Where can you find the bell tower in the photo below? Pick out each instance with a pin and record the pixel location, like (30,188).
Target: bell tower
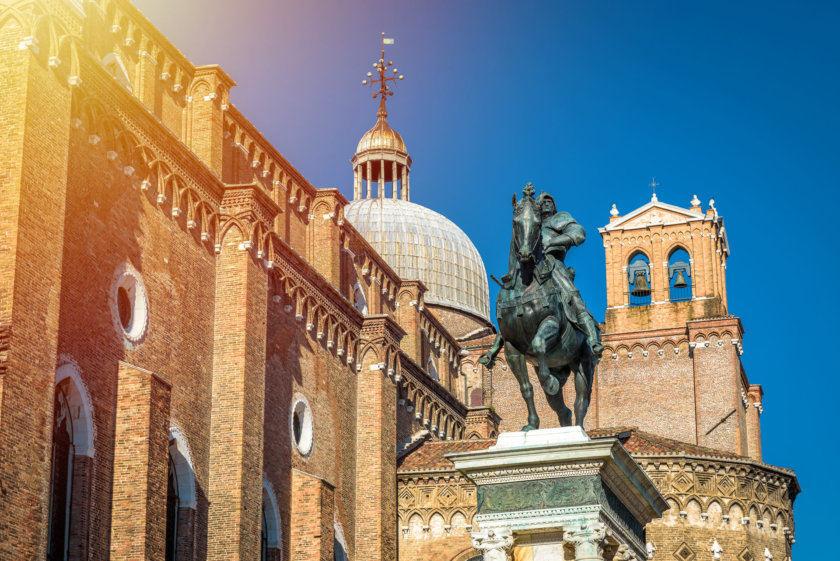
(666,265)
(669,339)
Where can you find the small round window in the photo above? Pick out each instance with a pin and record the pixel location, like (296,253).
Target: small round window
(301,425)
(129,304)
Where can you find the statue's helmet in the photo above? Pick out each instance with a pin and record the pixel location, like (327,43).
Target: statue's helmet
(546,204)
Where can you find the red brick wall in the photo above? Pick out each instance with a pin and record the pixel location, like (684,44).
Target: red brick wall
(141,453)
(376,440)
(297,363)
(312,531)
(109,224)
(34,122)
(236,432)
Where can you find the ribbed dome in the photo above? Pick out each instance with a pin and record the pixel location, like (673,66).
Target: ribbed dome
(419,243)
(381,136)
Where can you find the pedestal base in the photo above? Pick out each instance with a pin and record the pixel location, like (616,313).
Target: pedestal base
(556,490)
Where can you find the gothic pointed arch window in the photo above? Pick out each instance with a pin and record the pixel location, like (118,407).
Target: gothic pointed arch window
(173,504)
(180,499)
(71,466)
(679,276)
(359,299)
(433,371)
(272,545)
(115,67)
(264,537)
(638,276)
(61,478)
(339,544)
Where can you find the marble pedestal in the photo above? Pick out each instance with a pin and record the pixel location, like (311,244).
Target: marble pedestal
(557,494)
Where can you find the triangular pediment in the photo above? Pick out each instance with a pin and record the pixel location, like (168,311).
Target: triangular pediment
(652,214)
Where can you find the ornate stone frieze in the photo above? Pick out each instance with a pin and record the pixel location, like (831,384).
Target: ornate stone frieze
(740,489)
(533,473)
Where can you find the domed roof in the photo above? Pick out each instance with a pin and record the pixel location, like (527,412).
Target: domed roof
(419,243)
(381,136)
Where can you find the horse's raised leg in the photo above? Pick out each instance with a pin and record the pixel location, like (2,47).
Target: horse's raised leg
(583,388)
(520,369)
(556,401)
(547,335)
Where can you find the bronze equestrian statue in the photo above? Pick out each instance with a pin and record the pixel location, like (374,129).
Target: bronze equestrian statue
(542,318)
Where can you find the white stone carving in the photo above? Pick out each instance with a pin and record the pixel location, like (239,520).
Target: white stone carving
(588,539)
(495,545)
(716,550)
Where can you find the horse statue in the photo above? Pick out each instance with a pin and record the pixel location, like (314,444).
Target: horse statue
(535,324)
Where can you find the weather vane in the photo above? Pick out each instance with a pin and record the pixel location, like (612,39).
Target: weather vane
(382,67)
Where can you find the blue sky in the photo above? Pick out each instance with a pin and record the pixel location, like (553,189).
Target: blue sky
(735,101)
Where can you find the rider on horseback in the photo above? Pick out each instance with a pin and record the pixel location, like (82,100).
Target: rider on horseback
(542,320)
(559,233)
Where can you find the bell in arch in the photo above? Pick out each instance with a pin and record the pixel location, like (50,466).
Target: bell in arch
(640,285)
(680,280)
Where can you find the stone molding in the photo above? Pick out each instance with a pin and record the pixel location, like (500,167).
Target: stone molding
(535,473)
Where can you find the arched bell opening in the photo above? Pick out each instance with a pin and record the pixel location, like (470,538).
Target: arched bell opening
(680,283)
(638,273)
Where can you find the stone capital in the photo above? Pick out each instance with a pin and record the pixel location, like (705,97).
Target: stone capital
(588,540)
(624,553)
(495,545)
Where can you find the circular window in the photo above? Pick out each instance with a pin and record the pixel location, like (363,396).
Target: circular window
(129,304)
(301,425)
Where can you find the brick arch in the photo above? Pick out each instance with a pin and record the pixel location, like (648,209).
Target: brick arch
(675,247)
(638,251)
(79,399)
(468,554)
(11,14)
(735,516)
(232,226)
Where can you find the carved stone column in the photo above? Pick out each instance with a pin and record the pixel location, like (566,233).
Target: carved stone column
(381,183)
(494,545)
(588,539)
(369,179)
(394,189)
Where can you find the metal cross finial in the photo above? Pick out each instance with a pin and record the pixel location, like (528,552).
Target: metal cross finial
(653,185)
(381,67)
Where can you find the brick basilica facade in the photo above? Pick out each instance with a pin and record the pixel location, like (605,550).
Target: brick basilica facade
(202,358)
